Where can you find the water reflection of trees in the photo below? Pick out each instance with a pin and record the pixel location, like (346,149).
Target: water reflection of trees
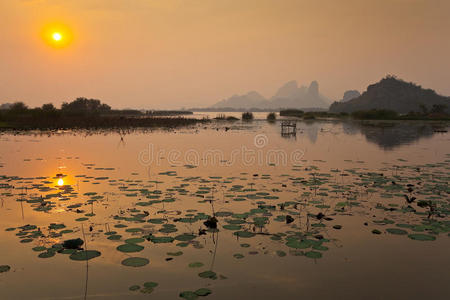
(389,136)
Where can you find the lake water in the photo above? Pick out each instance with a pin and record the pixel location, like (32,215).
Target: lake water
(320,214)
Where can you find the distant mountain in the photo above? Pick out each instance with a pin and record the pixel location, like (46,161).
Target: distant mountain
(290,95)
(393,94)
(349,95)
(249,100)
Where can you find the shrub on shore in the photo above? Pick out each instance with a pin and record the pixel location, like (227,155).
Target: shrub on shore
(271,117)
(247,116)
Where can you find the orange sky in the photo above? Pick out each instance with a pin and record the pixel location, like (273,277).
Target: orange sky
(173,53)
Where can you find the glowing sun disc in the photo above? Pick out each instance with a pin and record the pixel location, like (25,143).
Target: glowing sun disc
(60,182)
(57,36)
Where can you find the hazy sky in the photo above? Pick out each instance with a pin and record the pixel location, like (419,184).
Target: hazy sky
(173,53)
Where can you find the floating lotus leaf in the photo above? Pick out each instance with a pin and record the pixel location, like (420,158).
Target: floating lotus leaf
(232,227)
(135,262)
(396,231)
(313,254)
(188,295)
(150,284)
(168,230)
(67,251)
(133,230)
(320,247)
(185,237)
(39,249)
(110,233)
(130,248)
(244,234)
(147,290)
(81,219)
(299,244)
(156,221)
(196,265)
(208,274)
(161,239)
(4,268)
(421,237)
(84,255)
(46,254)
(203,292)
(134,240)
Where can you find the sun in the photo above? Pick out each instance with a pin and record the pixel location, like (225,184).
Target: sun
(57,35)
(60,182)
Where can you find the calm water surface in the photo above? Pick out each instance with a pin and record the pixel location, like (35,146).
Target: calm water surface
(321,214)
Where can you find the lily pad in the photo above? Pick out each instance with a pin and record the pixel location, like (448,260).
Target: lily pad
(421,237)
(84,255)
(188,295)
(4,268)
(396,231)
(299,244)
(114,237)
(39,249)
(232,227)
(150,284)
(185,237)
(196,264)
(161,239)
(135,262)
(46,254)
(134,240)
(208,274)
(203,292)
(244,234)
(313,254)
(130,248)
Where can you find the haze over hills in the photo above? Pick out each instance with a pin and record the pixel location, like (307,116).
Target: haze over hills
(393,94)
(290,95)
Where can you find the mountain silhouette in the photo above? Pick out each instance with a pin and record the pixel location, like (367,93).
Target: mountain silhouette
(393,94)
(290,95)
